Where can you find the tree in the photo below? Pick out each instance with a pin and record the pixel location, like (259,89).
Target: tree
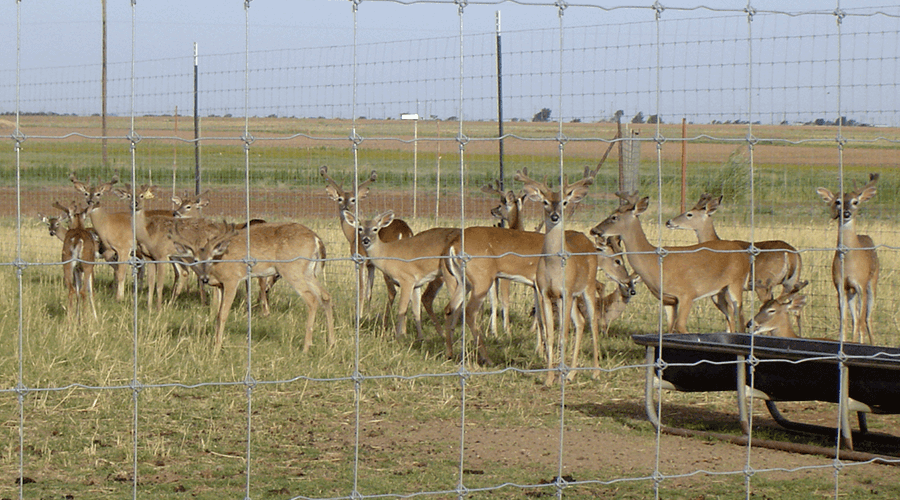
(638,118)
(654,119)
(542,116)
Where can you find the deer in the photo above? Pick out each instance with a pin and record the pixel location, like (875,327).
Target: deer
(151,233)
(289,249)
(564,271)
(778,263)
(687,273)
(54,225)
(191,206)
(187,206)
(114,228)
(494,253)
(855,267)
(398,229)
(508,211)
(774,315)
(412,262)
(78,255)
(611,306)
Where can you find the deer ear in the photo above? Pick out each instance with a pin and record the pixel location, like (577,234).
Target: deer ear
(713,204)
(385,219)
(796,305)
(350,218)
(333,193)
(867,193)
(642,205)
(221,247)
(182,250)
(533,193)
(577,194)
(827,196)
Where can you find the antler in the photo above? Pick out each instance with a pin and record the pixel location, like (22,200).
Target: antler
(490,189)
(628,198)
(372,177)
(522,176)
(62,207)
(323,171)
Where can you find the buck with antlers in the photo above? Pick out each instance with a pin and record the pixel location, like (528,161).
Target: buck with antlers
(290,250)
(564,271)
(397,230)
(855,267)
(688,273)
(78,254)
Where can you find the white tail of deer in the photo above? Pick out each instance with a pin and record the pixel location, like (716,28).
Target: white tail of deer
(289,249)
(855,267)
(688,273)
(558,279)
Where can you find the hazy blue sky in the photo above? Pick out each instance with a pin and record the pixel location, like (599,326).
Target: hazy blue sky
(408,56)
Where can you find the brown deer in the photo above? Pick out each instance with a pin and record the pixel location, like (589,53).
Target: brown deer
(687,273)
(398,229)
(291,250)
(778,263)
(565,272)
(78,255)
(855,267)
(509,213)
(113,227)
(412,262)
(774,315)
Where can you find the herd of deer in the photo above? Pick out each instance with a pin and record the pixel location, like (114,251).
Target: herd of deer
(560,265)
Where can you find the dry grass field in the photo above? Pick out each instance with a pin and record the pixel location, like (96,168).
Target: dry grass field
(140,391)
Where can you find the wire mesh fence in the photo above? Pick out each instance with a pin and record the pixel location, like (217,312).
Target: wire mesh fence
(755,104)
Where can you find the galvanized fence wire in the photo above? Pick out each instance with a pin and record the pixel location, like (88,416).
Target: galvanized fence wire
(463,373)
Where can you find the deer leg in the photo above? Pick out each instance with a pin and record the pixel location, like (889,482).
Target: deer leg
(568,315)
(406,292)
(549,331)
(869,307)
(370,283)
(89,286)
(681,315)
(228,293)
(391,295)
(120,279)
(472,309)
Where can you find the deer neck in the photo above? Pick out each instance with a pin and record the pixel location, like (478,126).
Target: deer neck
(514,220)
(847,234)
(641,254)
(706,232)
(554,237)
